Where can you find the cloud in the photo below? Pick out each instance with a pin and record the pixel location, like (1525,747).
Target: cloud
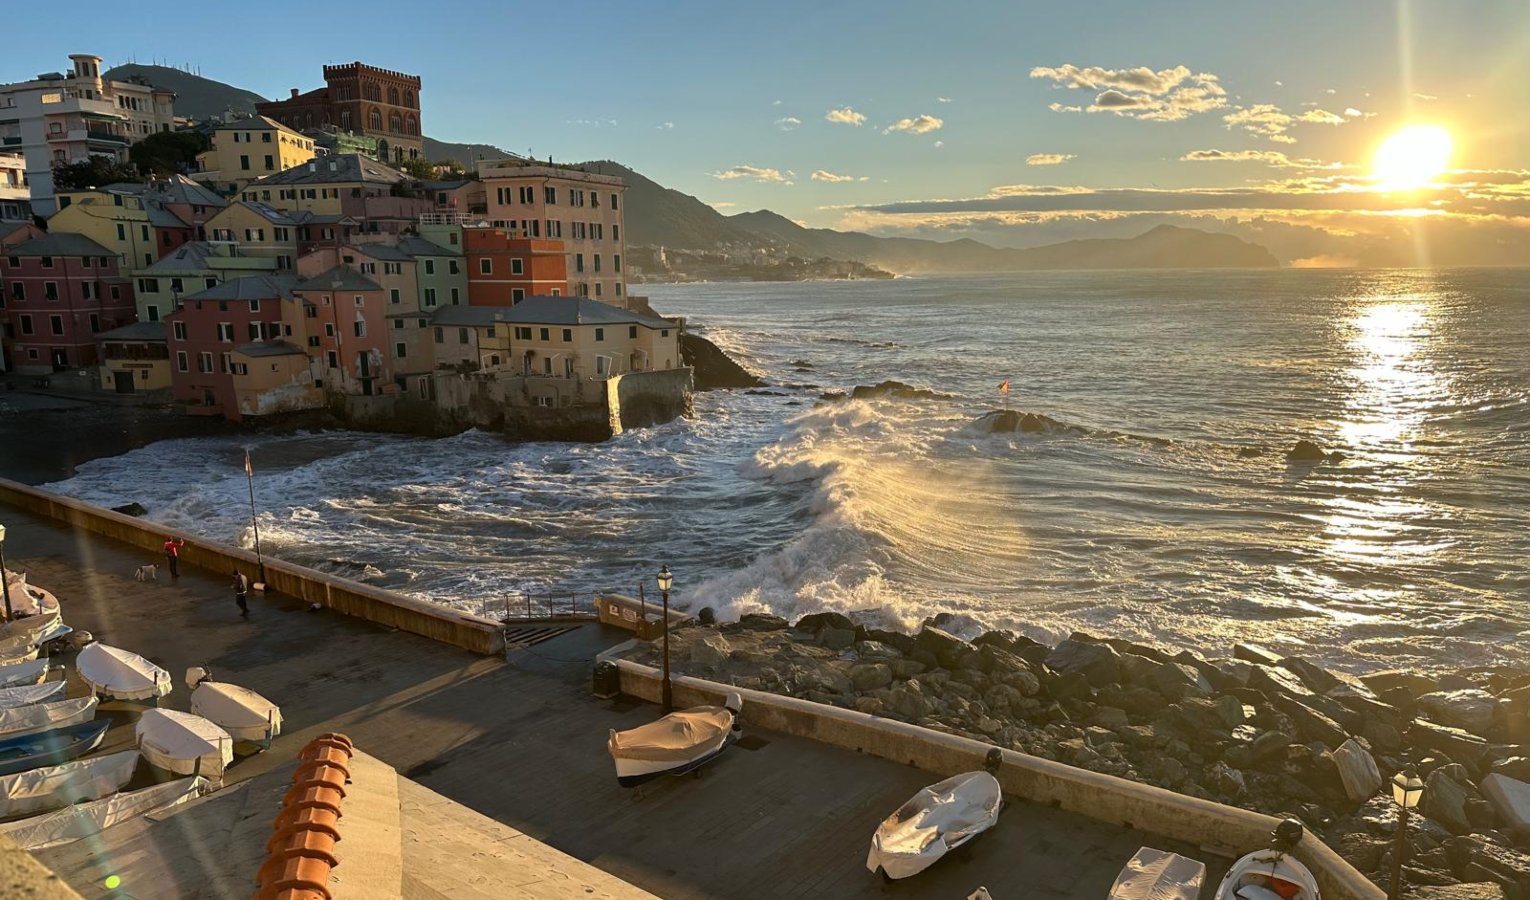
(1425,97)
(591,123)
(722,204)
(788,123)
(939,144)
(1049,159)
(775,103)
(665,126)
(916,125)
(1165,95)
(1268,157)
(1352,113)
(943,99)
(1321,117)
(831,178)
(1263,119)
(756,173)
(845,116)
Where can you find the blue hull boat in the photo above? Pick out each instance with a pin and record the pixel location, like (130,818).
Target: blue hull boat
(48,748)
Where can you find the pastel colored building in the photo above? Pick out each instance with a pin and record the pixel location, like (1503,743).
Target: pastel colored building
(380,104)
(15,194)
(244,150)
(457,195)
(375,195)
(441,269)
(349,337)
(190,268)
(135,226)
(263,230)
(62,292)
(504,268)
(135,358)
(581,209)
(211,324)
(67,117)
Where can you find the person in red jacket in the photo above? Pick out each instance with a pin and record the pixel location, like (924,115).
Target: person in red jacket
(173,555)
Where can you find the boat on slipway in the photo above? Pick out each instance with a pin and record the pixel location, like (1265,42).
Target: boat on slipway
(677,744)
(20,720)
(1272,873)
(41,748)
(122,674)
(935,821)
(86,819)
(54,787)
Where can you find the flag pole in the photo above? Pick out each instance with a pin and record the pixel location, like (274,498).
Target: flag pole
(249,475)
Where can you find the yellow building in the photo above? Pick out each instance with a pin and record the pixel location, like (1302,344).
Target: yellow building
(138,228)
(327,185)
(248,149)
(261,230)
(135,358)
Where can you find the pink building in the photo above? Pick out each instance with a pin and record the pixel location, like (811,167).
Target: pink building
(211,325)
(349,340)
(61,291)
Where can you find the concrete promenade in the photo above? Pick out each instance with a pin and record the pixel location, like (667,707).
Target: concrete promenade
(522,741)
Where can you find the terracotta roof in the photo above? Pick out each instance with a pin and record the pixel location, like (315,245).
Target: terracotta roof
(301,851)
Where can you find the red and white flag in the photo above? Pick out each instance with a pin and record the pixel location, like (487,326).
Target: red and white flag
(1004,387)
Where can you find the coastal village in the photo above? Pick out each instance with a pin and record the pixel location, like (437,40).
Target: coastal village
(297,265)
(360,743)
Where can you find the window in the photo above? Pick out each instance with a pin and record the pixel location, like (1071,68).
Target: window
(517,266)
(631,331)
(544,334)
(430,296)
(47,262)
(85,290)
(522,333)
(597,262)
(398,324)
(616,232)
(244,163)
(360,327)
(490,332)
(225,363)
(211,282)
(394,296)
(616,262)
(143,232)
(179,329)
(439,335)
(462,337)
(600,334)
(613,201)
(517,295)
(254,306)
(329,329)
(204,362)
(50,290)
(265,137)
(26,324)
(393,268)
(430,267)
(455,297)
(254,331)
(664,333)
(578,262)
(486,266)
(598,286)
(121,232)
(225,332)
(15,261)
(181,363)
(334,359)
(398,350)
(568,335)
(360,300)
(550,196)
(528,194)
(366,267)
(451,266)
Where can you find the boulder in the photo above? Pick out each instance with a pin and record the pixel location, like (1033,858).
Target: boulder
(904,643)
(1269,746)
(949,650)
(1311,723)
(711,652)
(1308,452)
(817,621)
(895,389)
(836,638)
(870,676)
(906,668)
(1510,798)
(1067,686)
(1314,676)
(1414,683)
(131,509)
(1357,770)
(1098,663)
(1474,858)
(1445,801)
(1459,745)
(999,420)
(1471,709)
(1256,654)
(1275,681)
(876,650)
(1225,780)
(761,622)
(1516,767)
(1482,890)
(1200,718)
(909,702)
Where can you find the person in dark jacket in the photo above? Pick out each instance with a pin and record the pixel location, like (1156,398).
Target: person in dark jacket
(242,593)
(173,555)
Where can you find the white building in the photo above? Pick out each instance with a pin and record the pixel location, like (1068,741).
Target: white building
(64,118)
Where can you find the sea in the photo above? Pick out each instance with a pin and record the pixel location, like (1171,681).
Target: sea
(1156,503)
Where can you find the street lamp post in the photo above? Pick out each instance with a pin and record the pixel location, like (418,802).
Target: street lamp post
(5,583)
(665,580)
(1407,790)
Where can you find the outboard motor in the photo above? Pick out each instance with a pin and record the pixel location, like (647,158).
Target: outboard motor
(1287,835)
(993,761)
(734,703)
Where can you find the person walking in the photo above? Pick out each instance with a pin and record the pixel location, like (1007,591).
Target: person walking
(173,555)
(242,593)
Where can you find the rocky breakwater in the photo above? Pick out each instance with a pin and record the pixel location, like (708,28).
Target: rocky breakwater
(1280,735)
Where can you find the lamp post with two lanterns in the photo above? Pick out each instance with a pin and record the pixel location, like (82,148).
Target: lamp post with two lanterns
(666,580)
(1407,790)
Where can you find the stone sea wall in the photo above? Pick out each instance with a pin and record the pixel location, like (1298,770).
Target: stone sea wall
(1278,735)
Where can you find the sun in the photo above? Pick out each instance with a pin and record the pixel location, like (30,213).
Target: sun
(1411,158)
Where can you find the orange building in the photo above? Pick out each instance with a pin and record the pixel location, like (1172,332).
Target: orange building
(504,268)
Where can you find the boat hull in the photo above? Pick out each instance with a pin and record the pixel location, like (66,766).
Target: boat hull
(1260,866)
(633,772)
(18,754)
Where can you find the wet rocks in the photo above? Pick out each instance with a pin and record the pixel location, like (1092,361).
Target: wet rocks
(1099,664)
(1469,709)
(131,509)
(895,389)
(1308,452)
(712,368)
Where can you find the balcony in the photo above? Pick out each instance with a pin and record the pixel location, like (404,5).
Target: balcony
(108,137)
(10,141)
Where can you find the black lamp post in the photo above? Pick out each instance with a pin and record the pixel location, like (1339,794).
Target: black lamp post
(5,583)
(665,580)
(1407,790)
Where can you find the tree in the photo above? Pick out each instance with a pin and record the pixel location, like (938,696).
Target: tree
(168,152)
(95,171)
(418,168)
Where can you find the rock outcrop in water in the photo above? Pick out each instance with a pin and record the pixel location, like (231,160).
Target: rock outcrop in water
(714,369)
(1005,420)
(1257,730)
(889,388)
(1308,452)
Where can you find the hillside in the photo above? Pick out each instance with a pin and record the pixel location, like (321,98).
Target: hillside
(195,95)
(665,217)
(467,154)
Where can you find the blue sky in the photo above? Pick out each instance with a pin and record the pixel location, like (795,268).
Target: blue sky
(686,92)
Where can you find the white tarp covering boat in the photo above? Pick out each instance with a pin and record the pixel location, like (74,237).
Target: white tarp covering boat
(1159,875)
(183,743)
(24,673)
(45,629)
(28,599)
(244,714)
(28,694)
(121,673)
(20,656)
(53,787)
(938,819)
(675,744)
(85,819)
(38,716)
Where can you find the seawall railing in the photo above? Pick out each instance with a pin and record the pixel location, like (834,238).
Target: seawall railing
(362,601)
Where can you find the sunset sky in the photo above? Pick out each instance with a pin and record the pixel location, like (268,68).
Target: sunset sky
(1016,123)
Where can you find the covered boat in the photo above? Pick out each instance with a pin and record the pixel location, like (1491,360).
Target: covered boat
(54,787)
(42,716)
(19,656)
(32,672)
(29,628)
(680,742)
(934,822)
(28,599)
(183,743)
(28,694)
(244,714)
(1272,874)
(120,673)
(1159,875)
(43,748)
(86,819)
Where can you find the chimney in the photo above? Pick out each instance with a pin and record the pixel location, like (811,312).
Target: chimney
(294,93)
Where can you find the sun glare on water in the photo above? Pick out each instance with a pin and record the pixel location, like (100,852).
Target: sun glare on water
(1412,158)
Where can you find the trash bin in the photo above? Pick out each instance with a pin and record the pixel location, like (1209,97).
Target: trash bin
(608,680)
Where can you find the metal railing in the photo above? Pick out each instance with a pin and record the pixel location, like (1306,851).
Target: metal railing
(552,605)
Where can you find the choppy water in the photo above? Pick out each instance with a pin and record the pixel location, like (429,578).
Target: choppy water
(1150,523)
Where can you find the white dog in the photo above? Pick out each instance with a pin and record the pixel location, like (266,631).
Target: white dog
(147,573)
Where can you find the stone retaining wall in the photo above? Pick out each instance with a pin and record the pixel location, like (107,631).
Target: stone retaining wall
(1221,829)
(352,598)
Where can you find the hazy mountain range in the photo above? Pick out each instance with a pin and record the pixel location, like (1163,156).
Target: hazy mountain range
(657,215)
